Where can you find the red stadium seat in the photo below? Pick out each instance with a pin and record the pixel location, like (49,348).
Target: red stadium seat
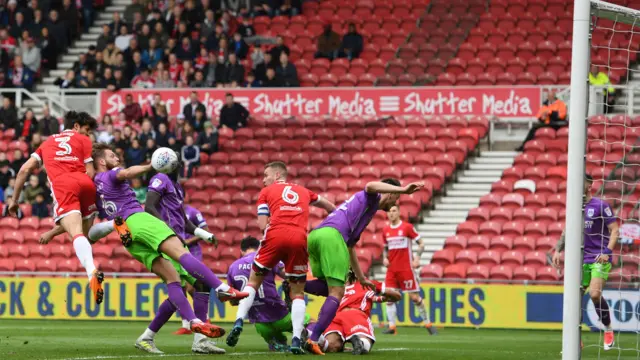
(430,271)
(443,257)
(512,258)
(535,259)
(525,273)
(455,243)
(547,273)
(501,272)
(524,243)
(478,272)
(478,243)
(456,271)
(501,243)
(489,258)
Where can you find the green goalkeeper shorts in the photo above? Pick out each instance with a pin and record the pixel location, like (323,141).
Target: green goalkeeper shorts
(328,256)
(595,270)
(147,233)
(275,330)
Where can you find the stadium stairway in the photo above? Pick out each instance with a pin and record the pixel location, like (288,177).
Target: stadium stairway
(78,47)
(461,196)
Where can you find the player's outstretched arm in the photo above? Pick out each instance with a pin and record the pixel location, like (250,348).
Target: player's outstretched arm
(133,172)
(24,172)
(384,188)
(46,237)
(391,295)
(151,204)
(324,204)
(355,266)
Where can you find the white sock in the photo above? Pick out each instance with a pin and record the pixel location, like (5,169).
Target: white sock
(367,344)
(324,344)
(100,230)
(422,309)
(391,314)
(148,334)
(185,324)
(198,337)
(298,309)
(246,303)
(85,254)
(223,287)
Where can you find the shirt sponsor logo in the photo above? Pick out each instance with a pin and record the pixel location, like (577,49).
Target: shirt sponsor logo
(359,327)
(156,183)
(607,211)
(290,208)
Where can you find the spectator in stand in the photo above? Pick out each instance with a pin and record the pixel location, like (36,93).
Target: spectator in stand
(289,8)
(328,43)
(120,81)
(202,59)
(553,113)
(135,154)
(261,8)
(271,80)
(28,126)
(48,50)
(163,135)
(38,22)
(58,30)
(116,24)
(240,48)
(135,65)
(131,9)
(33,189)
(187,72)
(139,190)
(598,78)
(189,110)
(87,14)
(252,82)
(287,72)
(48,125)
(160,34)
(190,155)
(198,80)
(165,81)
(146,131)
(110,54)
(119,141)
(39,207)
(257,57)
(279,48)
(144,36)
(214,71)
(69,16)
(6,172)
(246,29)
(352,43)
(21,76)
(234,72)
(104,38)
(198,120)
(108,82)
(68,82)
(36,141)
(106,136)
(223,51)
(208,139)
(80,64)
(7,42)
(9,14)
(132,110)
(8,193)
(209,25)
(153,55)
(233,115)
(188,130)
(150,148)
(92,81)
(124,38)
(261,69)
(143,81)
(19,26)
(18,160)
(160,115)
(186,51)
(8,115)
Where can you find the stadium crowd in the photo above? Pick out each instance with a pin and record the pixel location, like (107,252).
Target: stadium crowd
(135,135)
(34,33)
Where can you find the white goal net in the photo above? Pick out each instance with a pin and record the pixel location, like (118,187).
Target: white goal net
(605,133)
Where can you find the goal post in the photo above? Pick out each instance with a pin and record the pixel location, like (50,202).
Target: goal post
(587,14)
(578,105)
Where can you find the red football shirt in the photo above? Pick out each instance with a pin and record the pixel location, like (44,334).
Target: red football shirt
(64,153)
(287,204)
(399,240)
(357,297)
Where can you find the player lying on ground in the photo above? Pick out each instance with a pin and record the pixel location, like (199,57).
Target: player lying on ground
(331,247)
(599,239)
(283,214)
(399,237)
(269,312)
(69,166)
(352,322)
(193,243)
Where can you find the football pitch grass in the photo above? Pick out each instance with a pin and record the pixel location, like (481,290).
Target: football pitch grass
(95,340)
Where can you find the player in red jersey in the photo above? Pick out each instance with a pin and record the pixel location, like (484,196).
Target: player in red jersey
(399,237)
(66,157)
(283,215)
(352,322)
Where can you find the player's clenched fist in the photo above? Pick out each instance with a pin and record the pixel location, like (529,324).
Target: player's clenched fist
(413,187)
